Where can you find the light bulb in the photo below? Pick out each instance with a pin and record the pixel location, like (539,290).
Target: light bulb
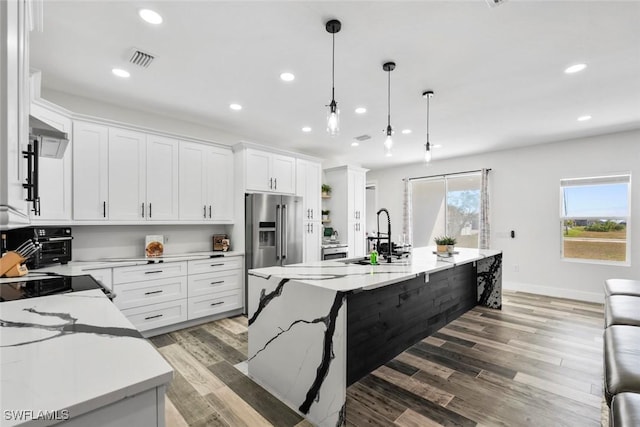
(427,156)
(388,143)
(333,119)
(387,151)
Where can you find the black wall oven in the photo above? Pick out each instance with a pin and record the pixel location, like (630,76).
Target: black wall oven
(54,243)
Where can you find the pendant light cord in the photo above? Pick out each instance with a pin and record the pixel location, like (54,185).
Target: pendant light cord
(428,100)
(333,66)
(388,98)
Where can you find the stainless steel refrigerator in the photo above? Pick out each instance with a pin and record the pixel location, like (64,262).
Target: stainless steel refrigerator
(273,235)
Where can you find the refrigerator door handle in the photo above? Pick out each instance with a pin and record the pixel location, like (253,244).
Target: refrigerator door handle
(283,239)
(278,231)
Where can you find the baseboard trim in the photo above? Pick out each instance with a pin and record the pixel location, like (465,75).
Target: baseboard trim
(554,292)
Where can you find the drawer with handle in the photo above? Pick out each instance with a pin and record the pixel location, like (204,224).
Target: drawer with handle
(154,271)
(138,294)
(211,265)
(208,283)
(208,305)
(157,315)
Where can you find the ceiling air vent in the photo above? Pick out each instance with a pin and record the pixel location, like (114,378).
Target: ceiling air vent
(362,138)
(141,58)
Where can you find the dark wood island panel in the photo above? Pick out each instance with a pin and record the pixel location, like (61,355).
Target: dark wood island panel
(383,322)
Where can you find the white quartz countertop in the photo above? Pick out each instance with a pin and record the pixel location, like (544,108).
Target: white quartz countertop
(74,352)
(76,268)
(338,276)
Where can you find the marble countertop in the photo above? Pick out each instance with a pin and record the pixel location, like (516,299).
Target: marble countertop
(74,352)
(76,268)
(339,276)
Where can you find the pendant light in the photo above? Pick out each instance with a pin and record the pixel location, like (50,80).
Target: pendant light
(333,114)
(427,153)
(388,142)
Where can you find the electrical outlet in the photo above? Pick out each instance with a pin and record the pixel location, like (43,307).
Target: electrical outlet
(166,238)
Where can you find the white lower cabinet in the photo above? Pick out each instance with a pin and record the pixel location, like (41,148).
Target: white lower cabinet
(165,294)
(155,316)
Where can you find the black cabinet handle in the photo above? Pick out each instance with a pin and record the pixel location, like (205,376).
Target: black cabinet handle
(149,210)
(205,211)
(153,317)
(217,283)
(209,211)
(153,292)
(271,183)
(216,265)
(217,303)
(275,183)
(153,272)
(104,209)
(143,210)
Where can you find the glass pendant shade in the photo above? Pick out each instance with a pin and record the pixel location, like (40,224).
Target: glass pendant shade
(427,153)
(388,142)
(333,119)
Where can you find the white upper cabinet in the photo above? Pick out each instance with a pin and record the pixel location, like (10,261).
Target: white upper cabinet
(162,178)
(127,175)
(90,171)
(206,183)
(54,175)
(220,184)
(308,185)
(269,172)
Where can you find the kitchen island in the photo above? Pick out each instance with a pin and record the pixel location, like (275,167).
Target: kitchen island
(75,358)
(316,328)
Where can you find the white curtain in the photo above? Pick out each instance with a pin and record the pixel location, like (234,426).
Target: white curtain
(485,227)
(406,212)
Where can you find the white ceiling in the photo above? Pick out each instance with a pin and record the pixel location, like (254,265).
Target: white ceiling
(497,72)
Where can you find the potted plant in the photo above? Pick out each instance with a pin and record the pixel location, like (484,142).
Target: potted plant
(325,215)
(326,190)
(445,244)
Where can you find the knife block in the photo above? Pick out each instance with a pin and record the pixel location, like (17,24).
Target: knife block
(11,265)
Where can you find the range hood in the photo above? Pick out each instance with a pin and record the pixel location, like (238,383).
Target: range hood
(52,142)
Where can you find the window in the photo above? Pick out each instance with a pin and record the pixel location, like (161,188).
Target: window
(594,219)
(446,205)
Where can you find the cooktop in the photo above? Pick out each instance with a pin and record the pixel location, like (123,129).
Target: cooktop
(41,286)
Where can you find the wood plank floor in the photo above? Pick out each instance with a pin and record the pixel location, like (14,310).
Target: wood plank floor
(538,362)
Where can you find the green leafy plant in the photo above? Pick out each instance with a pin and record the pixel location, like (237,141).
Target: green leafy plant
(327,212)
(445,240)
(326,188)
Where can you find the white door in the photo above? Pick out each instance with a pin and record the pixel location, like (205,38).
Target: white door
(313,187)
(90,171)
(312,240)
(127,171)
(162,178)
(54,175)
(193,181)
(283,171)
(257,170)
(220,184)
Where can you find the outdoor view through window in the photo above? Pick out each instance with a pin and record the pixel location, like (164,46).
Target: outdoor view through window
(595,218)
(446,205)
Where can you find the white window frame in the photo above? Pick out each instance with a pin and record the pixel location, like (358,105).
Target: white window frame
(602,179)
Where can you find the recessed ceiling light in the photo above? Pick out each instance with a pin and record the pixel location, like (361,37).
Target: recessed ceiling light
(361,110)
(120,72)
(236,107)
(306,129)
(406,131)
(150,16)
(575,68)
(355,143)
(287,77)
(584,118)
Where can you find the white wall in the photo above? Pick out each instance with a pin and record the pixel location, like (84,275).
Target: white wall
(126,241)
(524,187)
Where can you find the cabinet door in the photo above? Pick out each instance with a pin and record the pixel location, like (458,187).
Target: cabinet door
(257,170)
(193,181)
(359,195)
(356,239)
(162,178)
(127,171)
(54,175)
(283,171)
(308,185)
(220,184)
(312,240)
(90,171)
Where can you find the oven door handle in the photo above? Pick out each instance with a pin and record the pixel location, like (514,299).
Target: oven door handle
(54,239)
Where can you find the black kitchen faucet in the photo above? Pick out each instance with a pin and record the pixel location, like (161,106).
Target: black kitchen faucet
(389,244)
